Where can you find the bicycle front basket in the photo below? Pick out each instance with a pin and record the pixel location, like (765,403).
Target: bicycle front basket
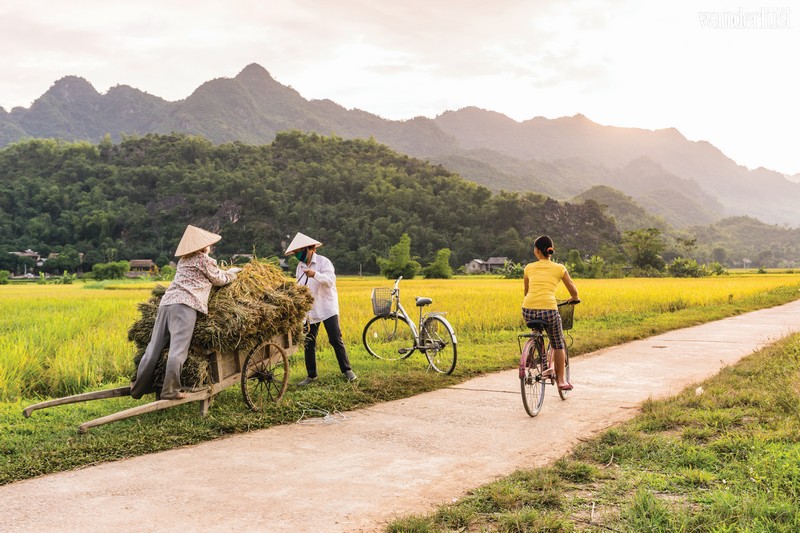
(566,309)
(381,301)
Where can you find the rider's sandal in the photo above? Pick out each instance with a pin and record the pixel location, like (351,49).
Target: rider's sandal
(565,386)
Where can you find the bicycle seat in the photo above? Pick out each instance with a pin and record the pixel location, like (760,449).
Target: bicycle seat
(536,324)
(422,301)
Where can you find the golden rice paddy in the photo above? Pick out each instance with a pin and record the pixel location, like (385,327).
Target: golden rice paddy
(62,339)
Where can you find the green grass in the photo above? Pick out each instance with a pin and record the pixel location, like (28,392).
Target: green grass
(48,441)
(724,459)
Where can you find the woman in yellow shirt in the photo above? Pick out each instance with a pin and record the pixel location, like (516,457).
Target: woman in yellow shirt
(541,279)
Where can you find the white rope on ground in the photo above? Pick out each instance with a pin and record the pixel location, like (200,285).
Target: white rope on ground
(319,416)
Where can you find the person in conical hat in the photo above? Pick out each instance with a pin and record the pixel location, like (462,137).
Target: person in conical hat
(195,239)
(186,296)
(299,242)
(317,273)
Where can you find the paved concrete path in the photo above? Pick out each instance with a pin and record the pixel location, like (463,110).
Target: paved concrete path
(371,465)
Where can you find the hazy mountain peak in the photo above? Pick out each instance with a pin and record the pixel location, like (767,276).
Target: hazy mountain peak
(472,115)
(71,88)
(254,71)
(578,119)
(670,133)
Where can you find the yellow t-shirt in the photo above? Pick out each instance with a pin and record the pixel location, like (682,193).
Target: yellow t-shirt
(543,278)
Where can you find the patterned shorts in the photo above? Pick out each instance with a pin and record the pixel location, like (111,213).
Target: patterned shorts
(553,327)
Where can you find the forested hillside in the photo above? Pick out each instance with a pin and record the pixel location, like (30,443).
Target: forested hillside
(685,182)
(733,241)
(132,200)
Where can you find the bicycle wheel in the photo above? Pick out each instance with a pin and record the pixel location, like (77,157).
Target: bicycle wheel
(439,344)
(265,375)
(531,385)
(564,393)
(388,337)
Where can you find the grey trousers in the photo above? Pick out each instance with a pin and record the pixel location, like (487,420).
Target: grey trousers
(174,325)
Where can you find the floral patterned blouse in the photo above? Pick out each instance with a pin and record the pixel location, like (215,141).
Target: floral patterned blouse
(194,277)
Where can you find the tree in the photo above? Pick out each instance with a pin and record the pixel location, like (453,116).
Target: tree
(686,246)
(114,270)
(68,259)
(719,254)
(686,268)
(162,260)
(91,258)
(595,268)
(644,247)
(575,263)
(716,269)
(440,268)
(512,270)
(399,262)
(166,273)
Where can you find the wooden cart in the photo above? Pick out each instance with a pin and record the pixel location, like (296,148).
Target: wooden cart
(263,375)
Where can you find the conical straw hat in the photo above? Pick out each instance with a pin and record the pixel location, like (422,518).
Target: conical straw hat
(195,239)
(301,241)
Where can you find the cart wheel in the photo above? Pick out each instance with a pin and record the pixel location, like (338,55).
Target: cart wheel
(265,375)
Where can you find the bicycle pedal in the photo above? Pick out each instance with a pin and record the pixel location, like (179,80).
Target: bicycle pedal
(403,350)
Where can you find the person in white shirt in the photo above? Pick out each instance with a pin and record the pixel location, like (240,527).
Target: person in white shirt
(317,273)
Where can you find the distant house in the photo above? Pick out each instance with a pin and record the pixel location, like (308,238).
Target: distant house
(33,255)
(38,259)
(493,263)
(479,266)
(141,267)
(476,266)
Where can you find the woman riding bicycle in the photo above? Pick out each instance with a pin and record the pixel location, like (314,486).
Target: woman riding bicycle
(541,279)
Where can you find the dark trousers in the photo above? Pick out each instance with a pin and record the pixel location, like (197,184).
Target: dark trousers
(334,337)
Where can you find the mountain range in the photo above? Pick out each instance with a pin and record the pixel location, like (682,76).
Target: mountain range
(685,183)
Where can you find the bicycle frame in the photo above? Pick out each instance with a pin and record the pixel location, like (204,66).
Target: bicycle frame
(402,314)
(536,365)
(392,334)
(415,328)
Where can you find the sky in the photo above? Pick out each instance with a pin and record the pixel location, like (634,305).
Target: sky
(718,71)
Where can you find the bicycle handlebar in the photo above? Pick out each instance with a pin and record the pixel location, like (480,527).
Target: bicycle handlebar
(397,283)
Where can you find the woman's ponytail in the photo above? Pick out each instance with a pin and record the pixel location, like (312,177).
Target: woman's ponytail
(545,245)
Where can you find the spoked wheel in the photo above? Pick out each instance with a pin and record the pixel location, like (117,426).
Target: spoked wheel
(265,376)
(532,384)
(439,345)
(564,393)
(388,337)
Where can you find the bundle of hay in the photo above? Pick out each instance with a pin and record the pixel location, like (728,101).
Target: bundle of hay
(259,304)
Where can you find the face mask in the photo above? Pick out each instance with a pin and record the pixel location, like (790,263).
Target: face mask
(301,255)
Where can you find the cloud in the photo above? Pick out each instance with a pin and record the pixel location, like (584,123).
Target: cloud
(620,62)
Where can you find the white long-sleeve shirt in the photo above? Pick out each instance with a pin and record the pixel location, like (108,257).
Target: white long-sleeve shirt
(322,287)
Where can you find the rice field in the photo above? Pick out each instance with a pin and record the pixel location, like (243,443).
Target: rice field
(61,339)
(57,340)
(478,306)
